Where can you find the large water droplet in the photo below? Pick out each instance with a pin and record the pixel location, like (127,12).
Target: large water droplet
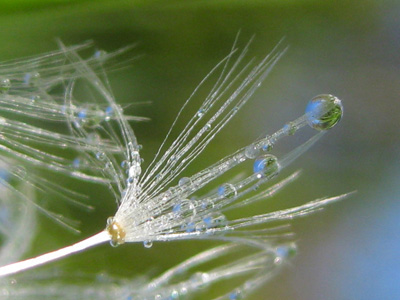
(266,165)
(324,111)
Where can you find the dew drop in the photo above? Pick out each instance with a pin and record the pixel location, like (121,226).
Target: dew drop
(109,112)
(5,85)
(200,112)
(227,190)
(82,114)
(76,163)
(207,127)
(35,98)
(148,244)
(177,208)
(290,128)
(220,221)
(100,155)
(267,146)
(324,111)
(208,221)
(235,295)
(183,291)
(252,151)
(125,165)
(266,165)
(285,252)
(100,55)
(31,78)
(184,181)
(190,227)
(174,294)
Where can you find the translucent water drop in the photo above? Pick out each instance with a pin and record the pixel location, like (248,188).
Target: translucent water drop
(200,112)
(177,208)
(207,204)
(174,294)
(183,291)
(100,155)
(148,244)
(200,279)
(4,175)
(267,146)
(35,98)
(208,222)
(190,227)
(285,252)
(252,151)
(207,127)
(31,78)
(290,128)
(100,55)
(125,164)
(235,295)
(324,111)
(184,181)
(135,155)
(266,165)
(109,112)
(76,163)
(5,85)
(172,159)
(227,190)
(220,221)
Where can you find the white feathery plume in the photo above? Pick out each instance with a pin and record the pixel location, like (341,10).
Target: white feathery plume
(18,223)
(152,206)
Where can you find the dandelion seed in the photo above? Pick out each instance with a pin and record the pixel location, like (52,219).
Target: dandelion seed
(150,207)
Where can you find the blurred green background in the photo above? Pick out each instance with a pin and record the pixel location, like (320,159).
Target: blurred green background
(349,48)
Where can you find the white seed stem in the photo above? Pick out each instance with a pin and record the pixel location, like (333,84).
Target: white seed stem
(94,240)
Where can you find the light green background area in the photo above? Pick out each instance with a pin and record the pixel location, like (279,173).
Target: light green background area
(347,48)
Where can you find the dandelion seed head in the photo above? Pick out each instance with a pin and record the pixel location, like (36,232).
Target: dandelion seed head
(162,201)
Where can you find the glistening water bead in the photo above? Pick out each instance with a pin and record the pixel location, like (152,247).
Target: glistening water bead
(266,165)
(324,111)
